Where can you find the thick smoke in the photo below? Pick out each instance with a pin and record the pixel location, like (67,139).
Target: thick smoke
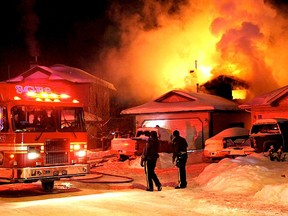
(30,24)
(162,40)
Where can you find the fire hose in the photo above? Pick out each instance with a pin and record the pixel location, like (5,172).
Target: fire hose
(95,179)
(100,175)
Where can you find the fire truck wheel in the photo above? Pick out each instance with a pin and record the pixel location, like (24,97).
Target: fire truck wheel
(48,184)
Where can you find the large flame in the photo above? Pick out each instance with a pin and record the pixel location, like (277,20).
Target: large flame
(164,47)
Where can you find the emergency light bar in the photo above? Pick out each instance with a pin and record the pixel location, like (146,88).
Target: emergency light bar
(46,97)
(41,94)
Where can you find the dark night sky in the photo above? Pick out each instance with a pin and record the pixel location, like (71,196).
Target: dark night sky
(58,32)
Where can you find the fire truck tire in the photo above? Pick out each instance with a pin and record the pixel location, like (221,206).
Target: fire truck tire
(123,157)
(47,184)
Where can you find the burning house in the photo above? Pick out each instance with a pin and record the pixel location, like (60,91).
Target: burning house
(197,116)
(229,87)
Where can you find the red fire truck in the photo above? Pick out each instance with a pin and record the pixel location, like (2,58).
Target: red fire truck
(42,135)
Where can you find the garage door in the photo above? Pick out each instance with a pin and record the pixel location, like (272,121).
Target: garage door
(190,128)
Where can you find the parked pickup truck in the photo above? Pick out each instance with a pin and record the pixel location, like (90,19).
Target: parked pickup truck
(267,133)
(127,147)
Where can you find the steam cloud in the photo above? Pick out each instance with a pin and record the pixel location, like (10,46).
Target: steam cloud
(161,40)
(30,25)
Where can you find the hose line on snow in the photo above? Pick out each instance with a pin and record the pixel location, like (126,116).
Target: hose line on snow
(101,174)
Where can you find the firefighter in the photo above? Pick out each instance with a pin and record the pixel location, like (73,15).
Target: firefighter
(148,161)
(180,155)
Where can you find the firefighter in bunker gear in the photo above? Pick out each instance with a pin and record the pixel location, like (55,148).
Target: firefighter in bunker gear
(180,155)
(148,161)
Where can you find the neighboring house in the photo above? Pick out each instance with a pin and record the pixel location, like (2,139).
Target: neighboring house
(94,93)
(197,116)
(273,104)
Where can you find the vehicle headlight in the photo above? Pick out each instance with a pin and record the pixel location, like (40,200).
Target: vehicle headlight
(33,155)
(81,153)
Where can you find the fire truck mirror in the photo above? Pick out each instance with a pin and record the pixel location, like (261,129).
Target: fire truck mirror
(1,119)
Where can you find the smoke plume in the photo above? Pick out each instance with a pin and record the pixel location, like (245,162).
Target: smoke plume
(30,23)
(161,42)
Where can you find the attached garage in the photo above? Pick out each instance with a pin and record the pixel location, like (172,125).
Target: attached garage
(197,116)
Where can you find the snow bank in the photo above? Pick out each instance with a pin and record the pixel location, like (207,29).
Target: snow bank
(253,175)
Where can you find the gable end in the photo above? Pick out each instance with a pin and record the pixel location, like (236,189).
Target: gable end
(174,98)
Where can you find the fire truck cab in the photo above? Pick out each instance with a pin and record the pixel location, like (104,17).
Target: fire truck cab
(42,136)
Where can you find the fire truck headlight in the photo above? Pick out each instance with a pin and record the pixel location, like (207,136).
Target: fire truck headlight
(1,158)
(81,153)
(33,155)
(77,147)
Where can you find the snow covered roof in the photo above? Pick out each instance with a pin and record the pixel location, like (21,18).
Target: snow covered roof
(181,101)
(266,99)
(61,72)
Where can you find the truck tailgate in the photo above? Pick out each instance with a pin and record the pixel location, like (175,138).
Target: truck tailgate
(123,146)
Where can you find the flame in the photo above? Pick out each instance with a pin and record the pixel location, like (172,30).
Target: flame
(160,44)
(239,94)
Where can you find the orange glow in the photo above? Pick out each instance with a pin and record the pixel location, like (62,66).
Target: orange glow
(64,96)
(76,147)
(75,101)
(239,94)
(31,94)
(223,36)
(17,98)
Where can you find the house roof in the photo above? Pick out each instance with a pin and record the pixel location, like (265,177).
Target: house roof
(266,99)
(182,101)
(61,72)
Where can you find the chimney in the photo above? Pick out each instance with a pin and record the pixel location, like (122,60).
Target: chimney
(34,62)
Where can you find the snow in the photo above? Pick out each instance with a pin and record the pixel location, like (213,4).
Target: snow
(194,102)
(254,176)
(266,99)
(231,132)
(60,72)
(251,185)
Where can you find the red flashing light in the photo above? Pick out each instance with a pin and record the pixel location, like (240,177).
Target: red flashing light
(75,101)
(46,97)
(17,98)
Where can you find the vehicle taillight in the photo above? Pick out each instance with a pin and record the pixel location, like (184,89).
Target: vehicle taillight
(224,143)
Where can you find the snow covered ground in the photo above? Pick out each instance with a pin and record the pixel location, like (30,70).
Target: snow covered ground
(246,186)
(252,185)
